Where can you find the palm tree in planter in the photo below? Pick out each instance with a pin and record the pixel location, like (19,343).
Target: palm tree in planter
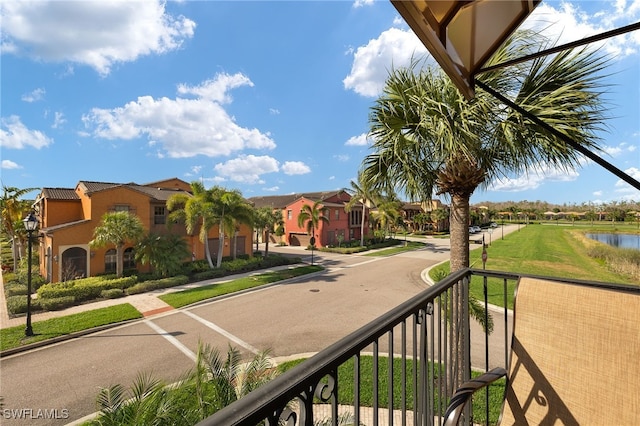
(310,218)
(429,140)
(117,228)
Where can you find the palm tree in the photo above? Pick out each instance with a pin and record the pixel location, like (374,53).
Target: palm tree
(216,381)
(165,253)
(439,215)
(13,211)
(266,219)
(230,209)
(387,213)
(116,228)
(311,216)
(361,193)
(429,140)
(196,211)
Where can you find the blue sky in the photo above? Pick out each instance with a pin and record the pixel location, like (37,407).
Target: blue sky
(268,97)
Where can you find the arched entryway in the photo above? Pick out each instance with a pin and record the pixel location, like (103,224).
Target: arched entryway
(74,263)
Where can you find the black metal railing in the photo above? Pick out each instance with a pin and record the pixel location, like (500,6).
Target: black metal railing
(400,369)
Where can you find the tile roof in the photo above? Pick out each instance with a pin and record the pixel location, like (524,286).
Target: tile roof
(160,194)
(60,193)
(281,201)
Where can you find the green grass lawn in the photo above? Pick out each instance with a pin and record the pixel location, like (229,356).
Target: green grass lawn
(48,329)
(346,387)
(548,250)
(187,297)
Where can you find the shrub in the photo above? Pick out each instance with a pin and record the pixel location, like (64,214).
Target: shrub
(157,284)
(57,303)
(209,274)
(8,277)
(112,293)
(18,305)
(15,289)
(84,289)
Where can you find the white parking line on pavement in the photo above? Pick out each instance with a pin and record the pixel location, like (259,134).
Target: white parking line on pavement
(222,331)
(375,259)
(175,342)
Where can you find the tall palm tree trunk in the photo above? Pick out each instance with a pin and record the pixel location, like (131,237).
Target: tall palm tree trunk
(220,242)
(459,238)
(119,261)
(207,252)
(362,225)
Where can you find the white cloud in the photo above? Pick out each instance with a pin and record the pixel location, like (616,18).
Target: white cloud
(372,62)
(216,89)
(34,96)
(534,179)
(568,22)
(184,127)
(361,3)
(98,34)
(360,140)
(272,189)
(626,190)
(341,157)
(295,168)
(247,168)
(58,120)
(18,136)
(274,111)
(9,165)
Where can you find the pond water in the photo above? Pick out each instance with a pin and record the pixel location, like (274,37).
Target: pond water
(618,240)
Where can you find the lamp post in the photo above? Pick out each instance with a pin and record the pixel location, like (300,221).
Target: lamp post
(30,224)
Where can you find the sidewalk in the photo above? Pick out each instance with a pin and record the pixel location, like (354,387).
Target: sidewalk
(147,304)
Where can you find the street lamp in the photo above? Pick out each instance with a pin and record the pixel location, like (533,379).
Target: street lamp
(30,224)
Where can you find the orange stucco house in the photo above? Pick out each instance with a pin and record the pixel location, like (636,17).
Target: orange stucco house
(68,217)
(342,226)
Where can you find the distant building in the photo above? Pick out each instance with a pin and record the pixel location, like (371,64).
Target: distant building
(68,217)
(342,226)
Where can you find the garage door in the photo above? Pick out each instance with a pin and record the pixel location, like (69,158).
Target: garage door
(299,240)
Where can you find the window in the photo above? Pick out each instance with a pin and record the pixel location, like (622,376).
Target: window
(121,208)
(128,258)
(159,215)
(110,260)
(337,214)
(289,214)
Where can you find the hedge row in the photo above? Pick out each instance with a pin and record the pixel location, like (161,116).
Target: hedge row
(150,285)
(18,304)
(55,296)
(84,289)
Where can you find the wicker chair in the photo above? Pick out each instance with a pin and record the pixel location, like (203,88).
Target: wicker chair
(575,357)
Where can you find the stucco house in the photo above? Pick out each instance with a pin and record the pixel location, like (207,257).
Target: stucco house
(342,226)
(68,217)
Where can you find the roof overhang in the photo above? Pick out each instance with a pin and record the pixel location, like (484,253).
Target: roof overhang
(463,35)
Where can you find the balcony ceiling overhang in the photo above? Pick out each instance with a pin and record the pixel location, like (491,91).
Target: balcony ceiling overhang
(462,35)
